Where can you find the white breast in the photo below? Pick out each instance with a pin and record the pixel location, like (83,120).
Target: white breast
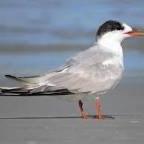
(116,60)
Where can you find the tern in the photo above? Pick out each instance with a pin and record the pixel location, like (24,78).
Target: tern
(90,73)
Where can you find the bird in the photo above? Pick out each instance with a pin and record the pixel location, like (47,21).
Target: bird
(89,73)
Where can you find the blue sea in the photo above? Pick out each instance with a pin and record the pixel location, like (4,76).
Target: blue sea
(37,35)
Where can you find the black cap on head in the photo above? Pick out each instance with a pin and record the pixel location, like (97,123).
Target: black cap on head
(108,26)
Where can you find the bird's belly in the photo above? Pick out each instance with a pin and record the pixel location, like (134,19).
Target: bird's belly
(107,79)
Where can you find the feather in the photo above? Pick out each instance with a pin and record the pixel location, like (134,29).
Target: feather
(30,80)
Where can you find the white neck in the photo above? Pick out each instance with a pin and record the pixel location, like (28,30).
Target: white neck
(110,45)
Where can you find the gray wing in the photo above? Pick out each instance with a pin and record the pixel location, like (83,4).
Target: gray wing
(86,73)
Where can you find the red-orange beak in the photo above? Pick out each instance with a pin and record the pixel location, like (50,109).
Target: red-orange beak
(135,32)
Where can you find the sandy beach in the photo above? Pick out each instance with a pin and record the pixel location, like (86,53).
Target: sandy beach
(42,120)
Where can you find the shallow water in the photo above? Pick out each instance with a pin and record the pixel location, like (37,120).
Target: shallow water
(62,21)
(38,35)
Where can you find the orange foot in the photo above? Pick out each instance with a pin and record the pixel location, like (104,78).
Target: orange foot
(100,117)
(84,115)
(99,114)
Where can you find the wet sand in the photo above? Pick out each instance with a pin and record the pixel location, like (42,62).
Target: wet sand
(48,120)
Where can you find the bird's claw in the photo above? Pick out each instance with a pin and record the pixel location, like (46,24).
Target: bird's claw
(100,117)
(84,115)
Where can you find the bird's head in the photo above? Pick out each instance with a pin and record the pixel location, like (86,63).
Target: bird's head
(116,31)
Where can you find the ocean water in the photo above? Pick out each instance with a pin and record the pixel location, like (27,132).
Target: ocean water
(62,21)
(37,35)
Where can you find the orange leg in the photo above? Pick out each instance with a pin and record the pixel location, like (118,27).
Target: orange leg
(99,114)
(84,114)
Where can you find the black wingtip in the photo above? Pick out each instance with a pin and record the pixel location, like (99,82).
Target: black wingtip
(9,76)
